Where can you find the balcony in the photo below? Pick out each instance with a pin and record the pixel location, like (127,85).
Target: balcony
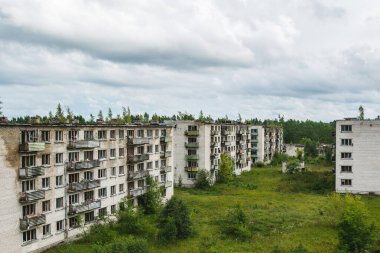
(32,147)
(254,155)
(165,139)
(27,197)
(32,221)
(72,166)
(84,185)
(84,207)
(254,140)
(226,132)
(241,151)
(214,167)
(165,154)
(215,132)
(78,144)
(137,191)
(137,158)
(30,172)
(192,144)
(165,169)
(166,184)
(191,169)
(254,133)
(138,141)
(192,133)
(137,175)
(226,143)
(191,157)
(254,148)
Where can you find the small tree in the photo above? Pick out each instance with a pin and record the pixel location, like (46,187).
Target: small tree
(203,179)
(361,113)
(100,115)
(70,114)
(235,224)
(226,168)
(175,212)
(59,114)
(152,199)
(292,166)
(109,114)
(356,231)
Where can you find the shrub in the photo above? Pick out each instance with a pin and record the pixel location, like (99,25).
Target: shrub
(100,234)
(130,223)
(259,164)
(175,211)
(235,224)
(203,180)
(226,168)
(129,245)
(152,199)
(355,231)
(278,158)
(299,249)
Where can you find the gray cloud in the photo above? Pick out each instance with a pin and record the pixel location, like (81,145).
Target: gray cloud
(316,60)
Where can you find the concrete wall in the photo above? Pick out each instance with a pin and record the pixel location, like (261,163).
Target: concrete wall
(365,161)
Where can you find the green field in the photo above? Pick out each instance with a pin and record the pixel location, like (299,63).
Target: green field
(284,211)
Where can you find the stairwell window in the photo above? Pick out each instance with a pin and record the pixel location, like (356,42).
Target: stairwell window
(59,203)
(59,136)
(60,225)
(46,230)
(46,206)
(347,169)
(46,159)
(346,142)
(45,183)
(346,155)
(59,158)
(58,181)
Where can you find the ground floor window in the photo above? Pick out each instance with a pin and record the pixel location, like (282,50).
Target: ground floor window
(73,222)
(46,231)
(28,236)
(103,212)
(89,217)
(60,225)
(191,175)
(113,209)
(346,182)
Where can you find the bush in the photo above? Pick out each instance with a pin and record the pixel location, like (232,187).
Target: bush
(259,164)
(278,158)
(175,211)
(226,168)
(355,231)
(299,249)
(130,223)
(129,245)
(235,224)
(100,234)
(203,180)
(152,199)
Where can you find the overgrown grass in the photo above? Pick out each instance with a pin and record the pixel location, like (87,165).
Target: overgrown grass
(284,211)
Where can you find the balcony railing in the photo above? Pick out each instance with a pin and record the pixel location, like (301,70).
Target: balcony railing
(254,140)
(192,133)
(254,148)
(84,185)
(214,167)
(138,191)
(165,154)
(215,132)
(254,155)
(165,169)
(138,141)
(84,207)
(192,144)
(137,158)
(137,175)
(83,144)
(32,147)
(82,165)
(226,132)
(226,143)
(30,172)
(191,169)
(254,133)
(165,139)
(166,184)
(29,222)
(33,196)
(191,157)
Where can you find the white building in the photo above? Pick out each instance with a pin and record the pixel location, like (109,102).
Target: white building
(199,145)
(274,142)
(292,149)
(357,156)
(55,175)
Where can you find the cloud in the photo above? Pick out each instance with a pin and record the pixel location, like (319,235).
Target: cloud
(316,60)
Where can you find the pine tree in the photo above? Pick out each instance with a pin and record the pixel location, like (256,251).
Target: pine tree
(70,115)
(109,114)
(100,115)
(361,113)
(59,114)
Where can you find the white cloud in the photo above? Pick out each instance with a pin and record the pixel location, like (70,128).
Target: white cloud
(316,59)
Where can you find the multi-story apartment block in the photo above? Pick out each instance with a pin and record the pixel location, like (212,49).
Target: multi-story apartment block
(273,142)
(257,144)
(199,145)
(357,156)
(58,179)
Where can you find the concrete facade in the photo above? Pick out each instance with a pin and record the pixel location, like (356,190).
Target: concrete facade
(199,146)
(56,176)
(274,142)
(291,149)
(357,156)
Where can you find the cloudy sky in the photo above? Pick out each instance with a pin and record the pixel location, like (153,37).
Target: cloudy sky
(304,59)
